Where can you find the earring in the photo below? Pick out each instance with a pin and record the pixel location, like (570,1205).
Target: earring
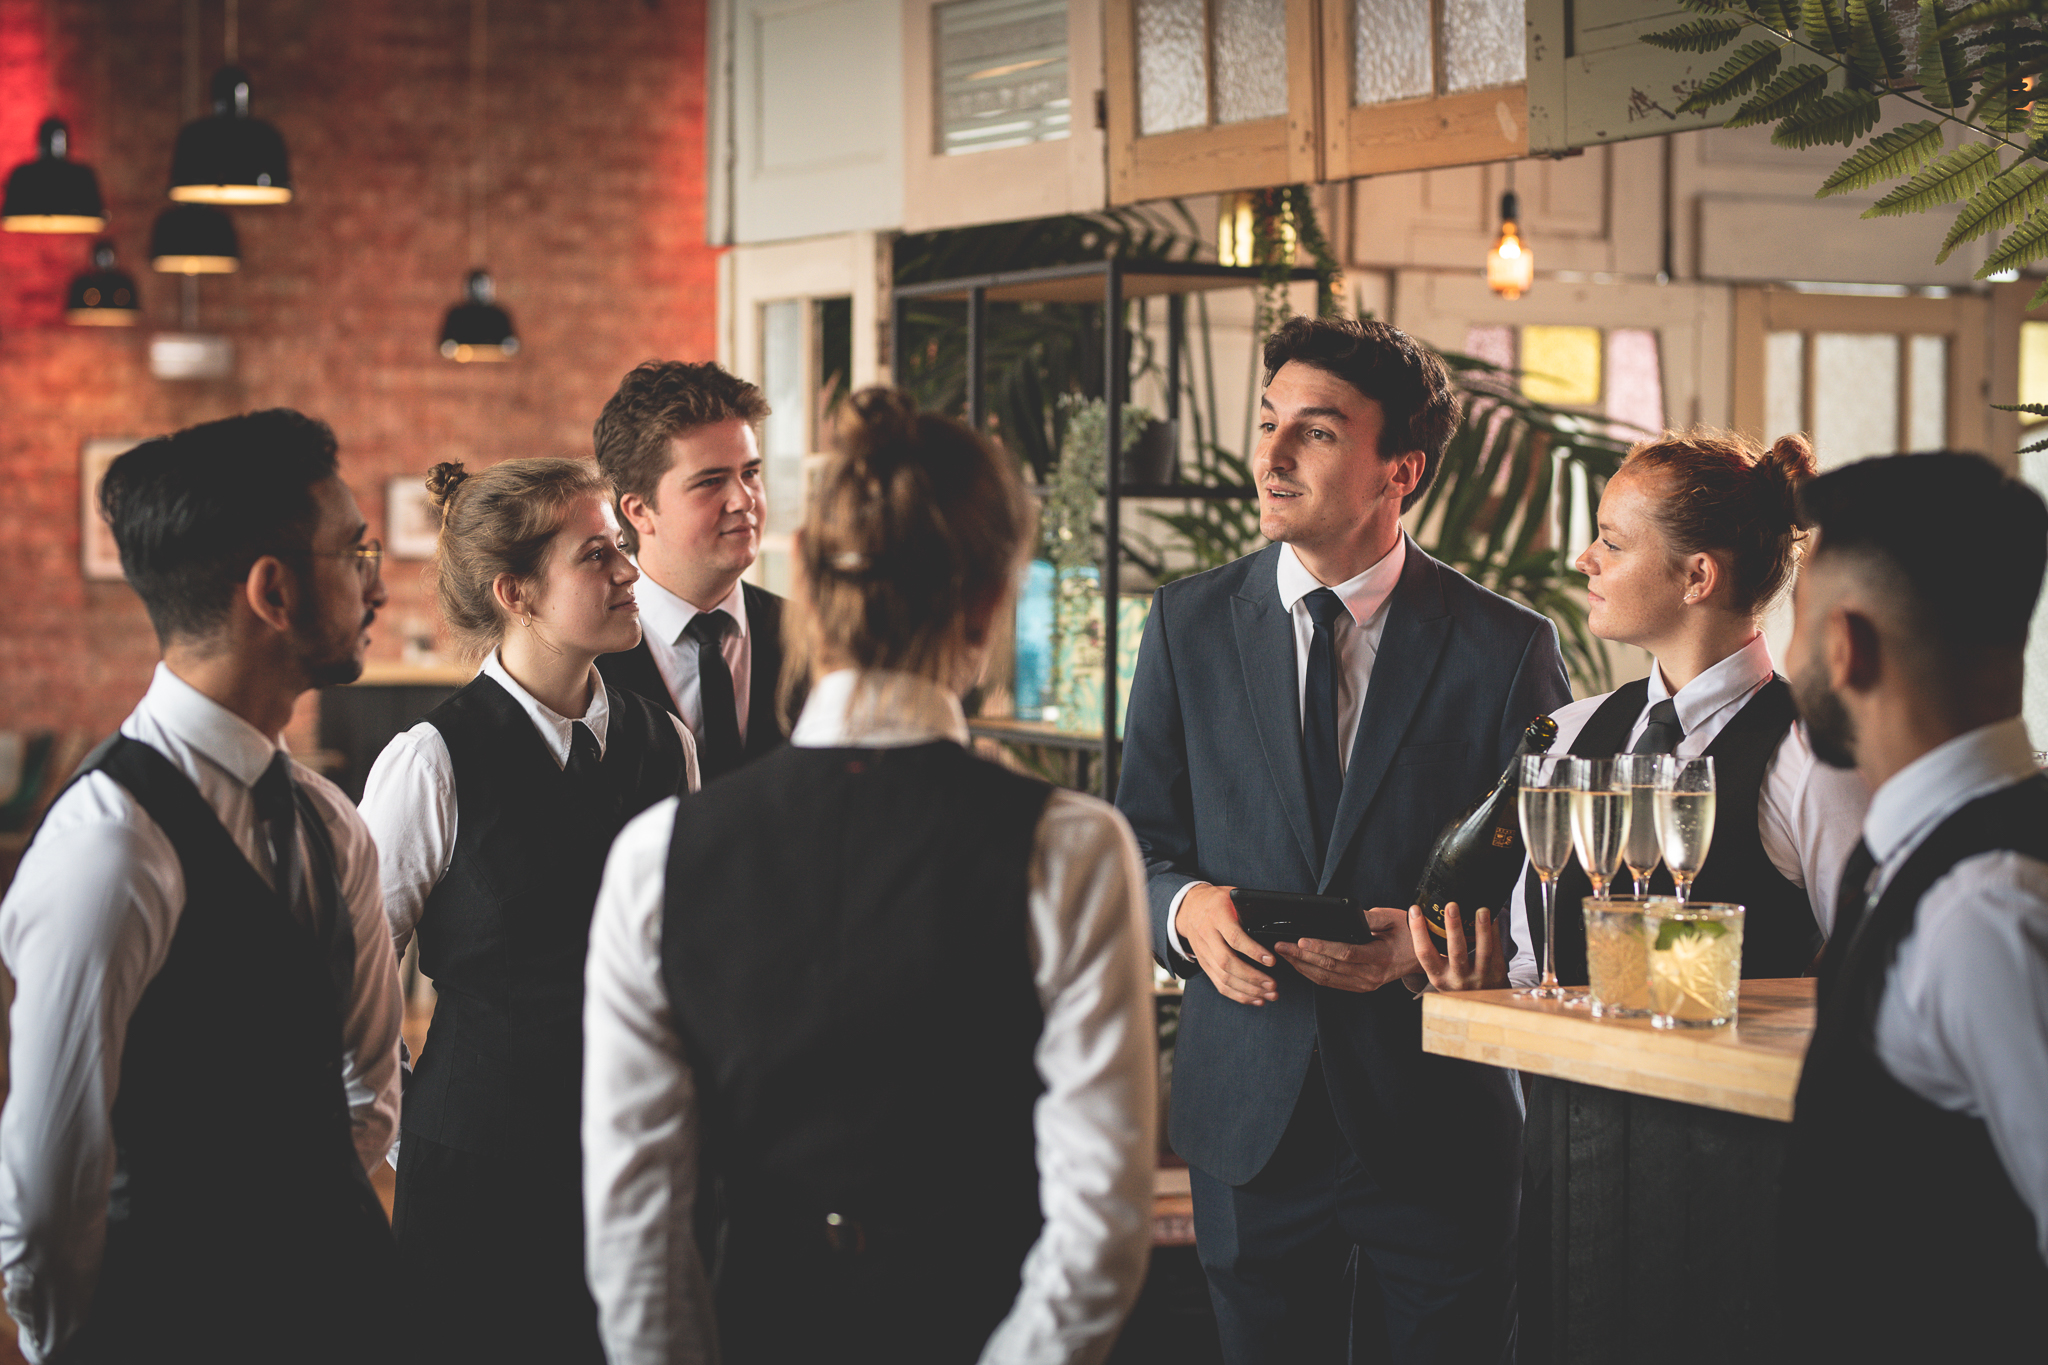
(1691,595)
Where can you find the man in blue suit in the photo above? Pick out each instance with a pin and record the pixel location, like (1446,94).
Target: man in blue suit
(1306,719)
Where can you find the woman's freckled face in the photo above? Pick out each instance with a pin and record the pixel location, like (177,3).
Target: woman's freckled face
(1633,590)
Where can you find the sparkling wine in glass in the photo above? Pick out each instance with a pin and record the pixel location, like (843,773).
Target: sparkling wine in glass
(1545,808)
(1640,847)
(1685,817)
(1600,816)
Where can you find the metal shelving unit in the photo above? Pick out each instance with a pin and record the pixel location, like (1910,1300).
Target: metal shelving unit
(1110,283)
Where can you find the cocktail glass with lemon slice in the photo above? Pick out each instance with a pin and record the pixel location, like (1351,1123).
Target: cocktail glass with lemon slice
(1695,953)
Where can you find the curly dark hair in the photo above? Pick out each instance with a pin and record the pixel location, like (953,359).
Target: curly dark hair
(1418,406)
(656,402)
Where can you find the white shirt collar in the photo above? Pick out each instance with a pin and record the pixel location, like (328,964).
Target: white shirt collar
(215,733)
(877,709)
(1728,683)
(1941,781)
(1362,595)
(664,616)
(555,730)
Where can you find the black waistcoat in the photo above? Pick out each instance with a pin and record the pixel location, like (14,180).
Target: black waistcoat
(847,953)
(240,1219)
(1779,934)
(635,670)
(1902,1228)
(505,933)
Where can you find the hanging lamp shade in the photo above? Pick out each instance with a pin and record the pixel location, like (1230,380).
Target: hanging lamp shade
(194,239)
(1510,266)
(477,329)
(103,296)
(53,193)
(229,157)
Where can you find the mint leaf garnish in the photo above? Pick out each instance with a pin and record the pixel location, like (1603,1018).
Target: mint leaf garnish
(1673,930)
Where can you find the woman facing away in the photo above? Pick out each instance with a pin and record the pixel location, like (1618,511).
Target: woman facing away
(869,1041)
(493,817)
(1698,535)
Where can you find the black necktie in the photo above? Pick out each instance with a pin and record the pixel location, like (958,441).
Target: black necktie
(1319,715)
(1662,734)
(277,817)
(718,742)
(584,757)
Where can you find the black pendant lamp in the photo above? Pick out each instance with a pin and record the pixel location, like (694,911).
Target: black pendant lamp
(53,193)
(477,329)
(194,239)
(229,157)
(103,296)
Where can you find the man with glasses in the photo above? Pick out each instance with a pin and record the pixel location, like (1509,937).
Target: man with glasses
(203,1061)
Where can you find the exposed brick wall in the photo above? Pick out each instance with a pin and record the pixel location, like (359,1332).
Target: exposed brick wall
(596,222)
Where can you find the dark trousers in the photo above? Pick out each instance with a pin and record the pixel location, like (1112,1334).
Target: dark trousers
(490,1248)
(1318,1262)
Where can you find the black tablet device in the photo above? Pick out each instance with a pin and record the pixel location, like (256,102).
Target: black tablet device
(1285,916)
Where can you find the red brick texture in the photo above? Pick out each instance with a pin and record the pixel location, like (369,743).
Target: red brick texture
(595,164)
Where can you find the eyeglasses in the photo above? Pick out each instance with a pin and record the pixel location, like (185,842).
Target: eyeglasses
(369,556)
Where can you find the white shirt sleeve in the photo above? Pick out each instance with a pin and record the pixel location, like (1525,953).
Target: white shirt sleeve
(370,1025)
(694,780)
(1096,1124)
(1809,818)
(639,1125)
(409,805)
(84,929)
(1963,1022)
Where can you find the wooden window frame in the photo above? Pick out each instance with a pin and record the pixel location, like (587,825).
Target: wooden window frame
(1424,133)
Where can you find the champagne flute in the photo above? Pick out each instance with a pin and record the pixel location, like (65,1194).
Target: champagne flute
(1600,819)
(1685,817)
(1544,803)
(1640,848)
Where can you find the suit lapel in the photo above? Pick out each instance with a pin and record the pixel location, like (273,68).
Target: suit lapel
(1417,626)
(1265,650)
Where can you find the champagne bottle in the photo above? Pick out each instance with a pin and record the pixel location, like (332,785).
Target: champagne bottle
(1478,855)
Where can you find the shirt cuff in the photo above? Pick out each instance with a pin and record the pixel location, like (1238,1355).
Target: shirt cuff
(1175,944)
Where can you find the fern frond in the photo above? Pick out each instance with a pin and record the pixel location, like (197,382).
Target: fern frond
(1840,116)
(1794,87)
(1985,11)
(1703,6)
(1782,15)
(1874,46)
(2040,297)
(1826,30)
(2000,108)
(1746,68)
(1885,157)
(1944,71)
(2027,242)
(1956,175)
(2041,444)
(2029,409)
(2005,198)
(1701,35)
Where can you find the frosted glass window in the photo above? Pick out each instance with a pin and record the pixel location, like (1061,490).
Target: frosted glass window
(1496,345)
(1483,44)
(1251,59)
(1635,383)
(782,378)
(1927,393)
(1561,365)
(2033,365)
(1173,65)
(1391,57)
(1002,74)
(1855,396)
(1784,384)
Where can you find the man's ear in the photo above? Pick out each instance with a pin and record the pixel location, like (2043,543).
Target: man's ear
(271,592)
(638,514)
(1406,474)
(1854,650)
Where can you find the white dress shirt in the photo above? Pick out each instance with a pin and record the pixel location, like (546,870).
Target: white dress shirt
(1964,1018)
(85,928)
(1355,636)
(1094,1124)
(663,618)
(1808,815)
(409,800)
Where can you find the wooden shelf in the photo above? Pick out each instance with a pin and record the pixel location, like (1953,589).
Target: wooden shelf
(1750,1067)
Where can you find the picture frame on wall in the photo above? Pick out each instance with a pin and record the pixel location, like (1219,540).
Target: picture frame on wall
(99,556)
(411,526)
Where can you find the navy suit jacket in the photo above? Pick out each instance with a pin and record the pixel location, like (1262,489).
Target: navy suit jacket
(1214,786)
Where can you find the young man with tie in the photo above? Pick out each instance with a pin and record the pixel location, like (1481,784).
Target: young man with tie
(678,442)
(204,1054)
(1306,719)
(1916,1190)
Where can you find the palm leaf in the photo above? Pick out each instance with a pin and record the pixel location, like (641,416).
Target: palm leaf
(1944,71)
(1746,68)
(1826,30)
(1984,11)
(1839,116)
(2027,242)
(1952,176)
(1794,86)
(2004,200)
(1886,157)
(1874,46)
(1701,35)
